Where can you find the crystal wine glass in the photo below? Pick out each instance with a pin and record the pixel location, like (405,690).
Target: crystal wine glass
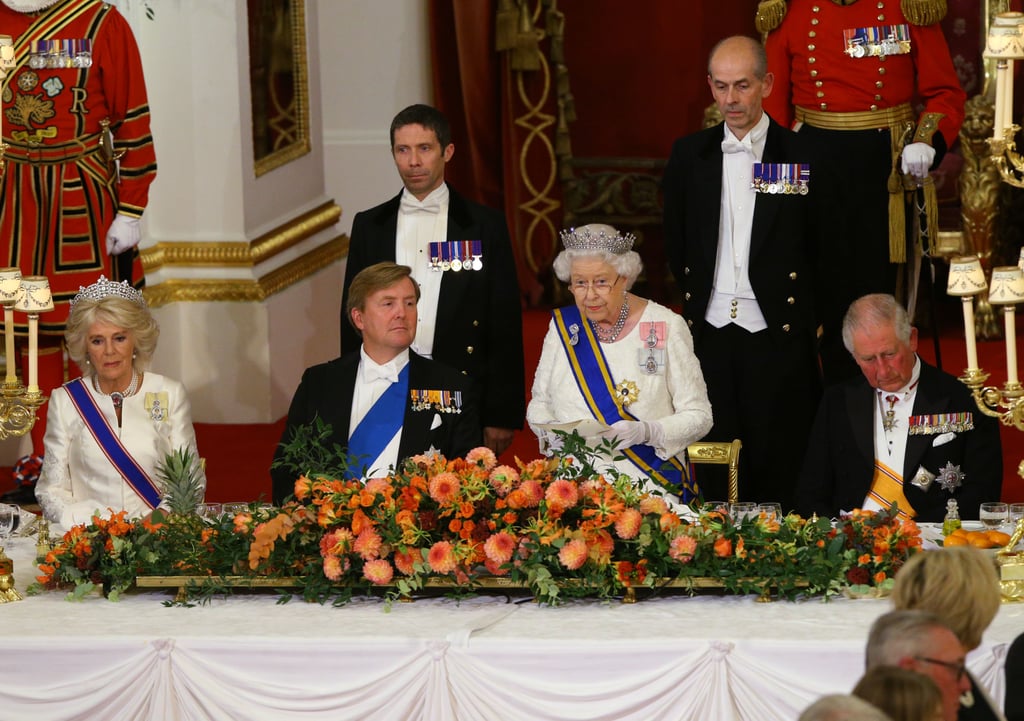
(6,520)
(742,511)
(993,514)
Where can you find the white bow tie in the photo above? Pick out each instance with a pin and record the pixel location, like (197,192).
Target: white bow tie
(409,204)
(372,373)
(736,146)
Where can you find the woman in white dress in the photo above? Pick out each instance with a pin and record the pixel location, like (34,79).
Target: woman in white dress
(107,432)
(622,365)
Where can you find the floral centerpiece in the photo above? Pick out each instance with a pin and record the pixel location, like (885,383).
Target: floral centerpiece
(556,527)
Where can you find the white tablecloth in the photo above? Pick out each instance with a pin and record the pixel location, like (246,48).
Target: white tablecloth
(245,657)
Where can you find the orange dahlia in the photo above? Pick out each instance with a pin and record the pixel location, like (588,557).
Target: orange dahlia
(442,557)
(573,554)
(378,572)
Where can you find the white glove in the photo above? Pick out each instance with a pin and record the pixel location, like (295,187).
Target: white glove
(549,442)
(626,433)
(124,234)
(917,158)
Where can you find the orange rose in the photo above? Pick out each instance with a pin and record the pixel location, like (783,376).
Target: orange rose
(723,547)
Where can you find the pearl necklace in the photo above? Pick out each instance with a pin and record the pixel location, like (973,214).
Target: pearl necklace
(610,336)
(118,396)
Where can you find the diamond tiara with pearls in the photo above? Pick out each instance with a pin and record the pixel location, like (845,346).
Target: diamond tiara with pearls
(587,239)
(104,288)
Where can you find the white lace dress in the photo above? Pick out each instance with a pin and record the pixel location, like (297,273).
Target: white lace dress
(77,480)
(675,395)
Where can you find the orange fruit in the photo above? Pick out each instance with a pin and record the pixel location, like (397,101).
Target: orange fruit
(978,539)
(959,532)
(998,537)
(955,540)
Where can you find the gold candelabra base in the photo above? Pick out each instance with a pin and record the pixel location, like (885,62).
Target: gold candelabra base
(18,408)
(1002,403)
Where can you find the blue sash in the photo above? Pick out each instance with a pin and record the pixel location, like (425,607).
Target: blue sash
(110,444)
(594,379)
(381,422)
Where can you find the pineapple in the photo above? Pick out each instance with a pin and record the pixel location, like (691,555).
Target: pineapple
(180,476)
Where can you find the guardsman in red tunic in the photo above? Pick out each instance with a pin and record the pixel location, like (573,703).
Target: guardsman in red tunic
(79,158)
(871,84)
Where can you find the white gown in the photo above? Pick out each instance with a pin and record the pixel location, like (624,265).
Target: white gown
(675,396)
(77,480)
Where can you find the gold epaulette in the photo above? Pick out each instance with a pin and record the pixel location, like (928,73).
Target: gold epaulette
(769,15)
(923,12)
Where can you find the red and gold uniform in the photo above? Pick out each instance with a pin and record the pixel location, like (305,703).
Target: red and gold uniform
(808,56)
(60,190)
(864,81)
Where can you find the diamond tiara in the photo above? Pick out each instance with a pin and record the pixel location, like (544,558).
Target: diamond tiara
(104,288)
(586,238)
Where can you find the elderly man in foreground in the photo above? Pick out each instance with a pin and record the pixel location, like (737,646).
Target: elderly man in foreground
(919,641)
(904,432)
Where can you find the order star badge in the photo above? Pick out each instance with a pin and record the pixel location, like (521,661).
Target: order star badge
(626,392)
(950,477)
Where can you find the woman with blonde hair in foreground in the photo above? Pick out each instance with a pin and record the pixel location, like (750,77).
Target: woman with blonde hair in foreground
(960,585)
(904,695)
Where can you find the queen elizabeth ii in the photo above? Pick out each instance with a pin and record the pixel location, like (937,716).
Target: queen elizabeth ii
(619,367)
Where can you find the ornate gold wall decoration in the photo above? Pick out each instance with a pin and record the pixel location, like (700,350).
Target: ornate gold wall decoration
(530,72)
(278,82)
(235,254)
(245,255)
(248,291)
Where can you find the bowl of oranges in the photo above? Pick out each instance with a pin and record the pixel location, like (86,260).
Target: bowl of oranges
(978,539)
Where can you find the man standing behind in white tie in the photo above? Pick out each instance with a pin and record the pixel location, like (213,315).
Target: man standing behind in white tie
(739,240)
(384,402)
(470,314)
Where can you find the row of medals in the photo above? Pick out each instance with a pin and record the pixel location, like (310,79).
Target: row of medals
(421,402)
(38,61)
(456,264)
(871,50)
(785,187)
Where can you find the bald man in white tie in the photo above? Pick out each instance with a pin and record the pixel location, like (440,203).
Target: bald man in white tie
(383,401)
(460,253)
(739,238)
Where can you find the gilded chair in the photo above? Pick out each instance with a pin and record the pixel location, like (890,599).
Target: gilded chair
(720,453)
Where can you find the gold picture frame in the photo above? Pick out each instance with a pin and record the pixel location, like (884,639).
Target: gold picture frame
(278,81)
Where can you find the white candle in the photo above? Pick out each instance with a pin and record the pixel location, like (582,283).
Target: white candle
(972,348)
(997,131)
(1008,97)
(12,376)
(33,353)
(1010,319)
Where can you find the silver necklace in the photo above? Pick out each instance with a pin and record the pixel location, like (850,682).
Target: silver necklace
(610,336)
(117,397)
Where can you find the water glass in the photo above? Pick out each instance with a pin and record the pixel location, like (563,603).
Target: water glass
(743,510)
(993,514)
(715,507)
(233,509)
(7,513)
(209,511)
(1016,512)
(771,511)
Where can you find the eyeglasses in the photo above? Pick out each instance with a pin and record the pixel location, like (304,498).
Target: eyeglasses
(601,286)
(958,668)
